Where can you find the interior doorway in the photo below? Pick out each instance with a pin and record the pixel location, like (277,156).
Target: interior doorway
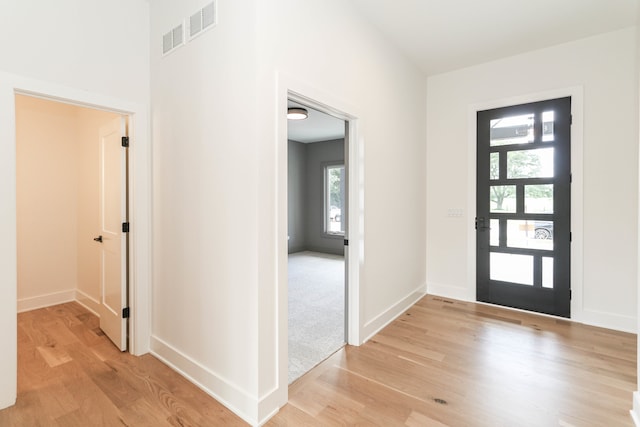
(71,187)
(317,234)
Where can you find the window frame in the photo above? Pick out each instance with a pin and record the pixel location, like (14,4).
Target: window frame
(326,199)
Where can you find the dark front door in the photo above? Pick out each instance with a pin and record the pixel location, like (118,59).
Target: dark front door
(524,206)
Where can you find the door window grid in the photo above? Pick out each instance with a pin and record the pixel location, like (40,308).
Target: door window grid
(521,167)
(510,163)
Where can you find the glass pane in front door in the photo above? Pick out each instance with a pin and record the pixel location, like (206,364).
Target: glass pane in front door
(536,163)
(523,195)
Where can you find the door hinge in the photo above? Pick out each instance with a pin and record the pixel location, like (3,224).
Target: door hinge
(125,227)
(570,178)
(570,119)
(570,237)
(125,141)
(570,294)
(125,313)
(346,242)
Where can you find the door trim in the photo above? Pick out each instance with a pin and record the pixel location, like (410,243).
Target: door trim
(139,184)
(352,290)
(577,164)
(289,87)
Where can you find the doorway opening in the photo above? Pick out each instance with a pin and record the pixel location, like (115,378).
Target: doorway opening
(72,210)
(523,221)
(317,235)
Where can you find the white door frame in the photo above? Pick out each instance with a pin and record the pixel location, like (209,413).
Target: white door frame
(291,88)
(352,290)
(140,213)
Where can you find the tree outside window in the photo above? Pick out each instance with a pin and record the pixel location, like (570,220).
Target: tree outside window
(334,199)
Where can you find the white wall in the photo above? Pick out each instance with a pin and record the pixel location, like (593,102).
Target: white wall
(325,51)
(220,199)
(77,47)
(605,67)
(635,412)
(92,45)
(47,159)
(58,179)
(205,226)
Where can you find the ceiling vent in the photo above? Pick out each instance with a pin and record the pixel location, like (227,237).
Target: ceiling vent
(202,20)
(173,39)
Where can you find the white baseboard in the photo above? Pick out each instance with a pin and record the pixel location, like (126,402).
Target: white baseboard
(11,400)
(41,301)
(233,397)
(88,302)
(379,322)
(448,291)
(607,320)
(635,412)
(48,300)
(268,408)
(270,403)
(588,317)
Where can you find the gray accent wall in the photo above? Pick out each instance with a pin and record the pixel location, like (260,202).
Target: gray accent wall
(306,194)
(297,183)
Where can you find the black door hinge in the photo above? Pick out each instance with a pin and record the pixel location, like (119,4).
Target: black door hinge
(125,227)
(125,313)
(125,141)
(570,294)
(570,237)
(571,119)
(346,242)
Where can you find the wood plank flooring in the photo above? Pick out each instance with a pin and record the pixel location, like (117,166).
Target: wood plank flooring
(450,363)
(442,363)
(70,374)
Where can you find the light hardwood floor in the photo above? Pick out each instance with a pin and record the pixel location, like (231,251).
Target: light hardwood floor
(450,363)
(70,374)
(442,363)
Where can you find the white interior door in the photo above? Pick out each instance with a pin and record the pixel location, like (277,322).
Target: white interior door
(113,240)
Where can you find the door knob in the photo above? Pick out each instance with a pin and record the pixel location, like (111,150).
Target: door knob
(481,224)
(98,239)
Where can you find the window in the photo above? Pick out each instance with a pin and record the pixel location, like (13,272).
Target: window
(334,181)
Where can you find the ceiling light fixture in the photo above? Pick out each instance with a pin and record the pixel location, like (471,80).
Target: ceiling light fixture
(297,113)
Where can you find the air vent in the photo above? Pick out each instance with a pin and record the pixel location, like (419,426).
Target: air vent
(202,20)
(209,15)
(178,36)
(173,39)
(167,42)
(195,24)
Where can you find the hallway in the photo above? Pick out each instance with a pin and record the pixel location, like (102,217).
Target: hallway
(442,363)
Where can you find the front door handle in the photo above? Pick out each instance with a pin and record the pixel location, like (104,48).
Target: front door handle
(98,239)
(481,224)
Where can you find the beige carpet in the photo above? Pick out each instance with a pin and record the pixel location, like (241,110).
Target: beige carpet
(316,309)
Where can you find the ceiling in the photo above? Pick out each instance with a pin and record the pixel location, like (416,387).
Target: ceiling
(444,35)
(315,128)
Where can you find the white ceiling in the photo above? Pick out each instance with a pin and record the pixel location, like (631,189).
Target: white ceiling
(444,35)
(315,128)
